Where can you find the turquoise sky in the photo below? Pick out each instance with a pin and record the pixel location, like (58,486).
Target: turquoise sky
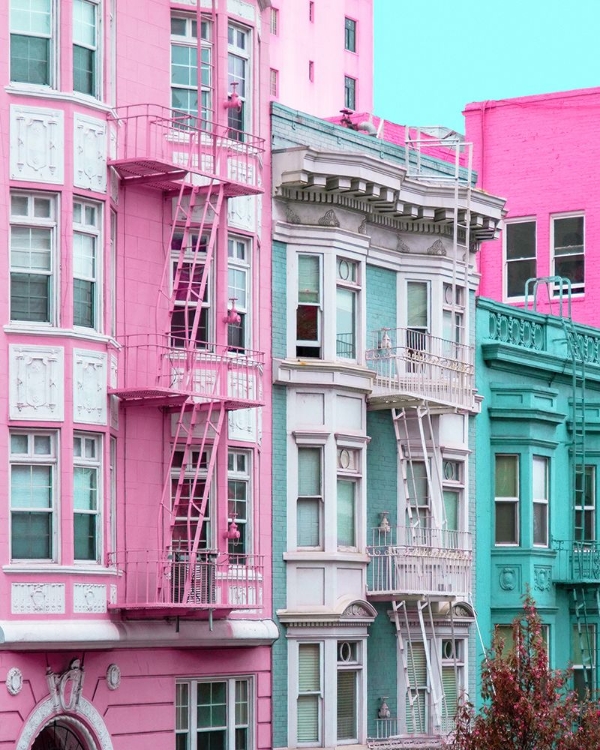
(434,56)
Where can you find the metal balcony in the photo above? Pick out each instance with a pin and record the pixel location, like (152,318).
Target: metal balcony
(576,562)
(156,373)
(412,562)
(171,583)
(413,366)
(160,148)
(406,742)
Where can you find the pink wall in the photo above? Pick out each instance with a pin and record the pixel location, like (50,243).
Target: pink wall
(539,153)
(300,40)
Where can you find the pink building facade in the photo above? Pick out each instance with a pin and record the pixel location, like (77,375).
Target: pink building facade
(136,529)
(538,152)
(322,55)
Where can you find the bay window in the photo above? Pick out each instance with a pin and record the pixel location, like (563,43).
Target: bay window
(85,47)
(310,497)
(506,495)
(87,503)
(348,672)
(309,693)
(309,307)
(346,308)
(32,41)
(348,475)
(540,501)
(86,245)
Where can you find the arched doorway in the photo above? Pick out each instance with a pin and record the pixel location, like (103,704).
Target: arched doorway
(58,735)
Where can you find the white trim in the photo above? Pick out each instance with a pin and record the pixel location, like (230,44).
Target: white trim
(47,710)
(505,224)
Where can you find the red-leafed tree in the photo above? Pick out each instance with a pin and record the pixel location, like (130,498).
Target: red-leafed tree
(527,705)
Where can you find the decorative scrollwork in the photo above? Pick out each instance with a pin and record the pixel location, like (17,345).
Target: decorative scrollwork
(511,329)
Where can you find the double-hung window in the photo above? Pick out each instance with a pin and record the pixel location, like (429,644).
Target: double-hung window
(349,670)
(520,256)
(417,322)
(417,690)
(238,66)
(32,41)
(214,715)
(189,471)
(453,320)
(274,21)
(33,495)
(583,649)
(86,283)
(238,252)
(418,502)
(346,308)
(453,665)
(506,483)
(309,694)
(184,70)
(540,501)
(348,477)
(85,47)
(32,250)
(309,307)
(239,499)
(453,489)
(350,34)
(585,506)
(568,250)
(349,92)
(87,505)
(190,318)
(309,506)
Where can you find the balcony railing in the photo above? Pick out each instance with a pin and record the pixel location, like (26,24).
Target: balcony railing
(151,369)
(413,365)
(159,147)
(416,562)
(576,562)
(407,742)
(174,581)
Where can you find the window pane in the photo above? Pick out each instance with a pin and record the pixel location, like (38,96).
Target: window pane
(83,70)
(308,514)
(31,17)
(309,471)
(29,297)
(31,536)
(29,59)
(451,508)
(85,489)
(212,705)
(345,514)
(308,278)
(85,536)
(540,478)
(506,476)
(84,23)
(346,323)
(307,324)
(83,303)
(568,235)
(506,523)
(31,487)
(416,305)
(517,274)
(346,705)
(540,523)
(520,240)
(309,671)
(308,718)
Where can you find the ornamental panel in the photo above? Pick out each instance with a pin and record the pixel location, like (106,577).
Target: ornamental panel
(37,598)
(89,387)
(88,597)
(37,144)
(36,376)
(242,424)
(89,158)
(241,212)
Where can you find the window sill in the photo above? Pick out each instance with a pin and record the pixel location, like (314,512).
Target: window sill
(48,567)
(46,329)
(47,92)
(320,556)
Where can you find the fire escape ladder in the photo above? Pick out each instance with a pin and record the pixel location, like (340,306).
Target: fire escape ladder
(415,707)
(436,696)
(586,645)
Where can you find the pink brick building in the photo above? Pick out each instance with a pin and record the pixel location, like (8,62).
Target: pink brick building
(538,152)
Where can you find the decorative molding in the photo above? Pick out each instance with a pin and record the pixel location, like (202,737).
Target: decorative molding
(516,330)
(112,593)
(242,424)
(507,578)
(89,597)
(14,681)
(362,228)
(241,212)
(36,144)
(65,688)
(290,215)
(113,677)
(36,382)
(90,153)
(437,248)
(241,9)
(402,247)
(89,387)
(356,610)
(542,575)
(37,598)
(329,219)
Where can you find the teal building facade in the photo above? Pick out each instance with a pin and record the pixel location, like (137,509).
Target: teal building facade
(537,465)
(374,402)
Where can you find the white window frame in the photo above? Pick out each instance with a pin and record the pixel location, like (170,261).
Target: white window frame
(274,21)
(317,345)
(576,287)
(453,480)
(507,263)
(353,286)
(515,501)
(541,502)
(353,664)
(95,48)
(50,225)
(114,484)
(52,48)
(316,693)
(191,304)
(186,707)
(588,508)
(91,463)
(453,312)
(188,457)
(316,499)
(454,660)
(244,477)
(203,113)
(242,52)
(419,515)
(239,263)
(349,470)
(90,230)
(31,458)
